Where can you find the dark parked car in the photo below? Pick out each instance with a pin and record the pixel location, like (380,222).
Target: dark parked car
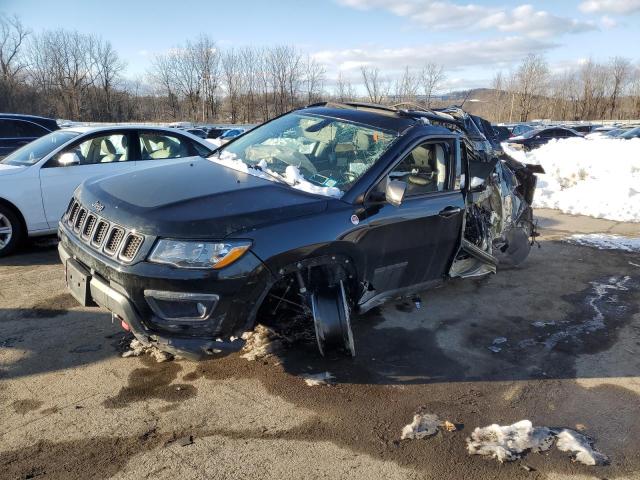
(583,129)
(629,134)
(18,130)
(519,128)
(327,210)
(232,133)
(538,137)
(198,132)
(216,132)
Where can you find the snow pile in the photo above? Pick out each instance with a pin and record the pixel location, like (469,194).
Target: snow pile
(292,175)
(425,425)
(315,379)
(137,348)
(605,241)
(599,178)
(511,442)
(580,446)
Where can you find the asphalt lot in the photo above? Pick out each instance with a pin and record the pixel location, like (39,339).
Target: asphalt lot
(70,407)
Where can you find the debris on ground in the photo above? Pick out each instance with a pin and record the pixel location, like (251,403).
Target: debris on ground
(425,425)
(261,342)
(511,442)
(181,441)
(264,341)
(606,241)
(137,348)
(315,379)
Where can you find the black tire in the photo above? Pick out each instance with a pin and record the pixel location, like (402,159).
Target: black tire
(11,231)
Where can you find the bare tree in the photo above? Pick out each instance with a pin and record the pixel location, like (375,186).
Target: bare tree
(313,79)
(530,83)
(344,90)
(431,78)
(232,79)
(407,86)
(108,67)
(620,70)
(12,39)
(376,85)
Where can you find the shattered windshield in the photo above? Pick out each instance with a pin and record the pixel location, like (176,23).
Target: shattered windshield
(318,154)
(32,152)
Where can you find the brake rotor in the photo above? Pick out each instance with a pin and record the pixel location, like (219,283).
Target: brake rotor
(331,320)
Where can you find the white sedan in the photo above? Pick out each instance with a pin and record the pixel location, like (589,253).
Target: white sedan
(37,180)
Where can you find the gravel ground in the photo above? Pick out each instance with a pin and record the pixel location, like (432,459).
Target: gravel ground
(555,341)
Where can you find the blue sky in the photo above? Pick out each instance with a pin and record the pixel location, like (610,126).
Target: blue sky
(473,39)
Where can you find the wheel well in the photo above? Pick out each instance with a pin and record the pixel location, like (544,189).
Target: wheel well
(18,213)
(315,272)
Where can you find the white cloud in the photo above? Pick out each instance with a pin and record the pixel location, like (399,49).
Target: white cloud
(608,22)
(499,53)
(437,14)
(610,6)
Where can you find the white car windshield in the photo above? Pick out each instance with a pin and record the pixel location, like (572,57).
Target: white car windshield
(33,152)
(318,154)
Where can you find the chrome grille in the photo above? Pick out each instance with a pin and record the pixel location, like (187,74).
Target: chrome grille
(88,226)
(73,212)
(131,246)
(101,233)
(111,240)
(81,217)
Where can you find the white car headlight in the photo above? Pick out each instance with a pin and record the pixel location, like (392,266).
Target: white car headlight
(190,254)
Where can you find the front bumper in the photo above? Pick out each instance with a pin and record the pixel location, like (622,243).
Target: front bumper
(241,287)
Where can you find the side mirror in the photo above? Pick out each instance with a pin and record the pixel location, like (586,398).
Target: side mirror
(394,192)
(69,158)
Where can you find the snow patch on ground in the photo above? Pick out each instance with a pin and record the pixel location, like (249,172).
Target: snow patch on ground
(599,178)
(601,293)
(605,241)
(137,349)
(316,379)
(425,425)
(511,442)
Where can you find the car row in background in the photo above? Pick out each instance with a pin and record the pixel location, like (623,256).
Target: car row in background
(530,136)
(18,130)
(206,131)
(38,179)
(539,136)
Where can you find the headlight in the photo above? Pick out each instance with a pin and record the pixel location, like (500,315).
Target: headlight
(198,254)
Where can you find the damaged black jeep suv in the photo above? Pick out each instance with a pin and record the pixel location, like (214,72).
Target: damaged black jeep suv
(329,209)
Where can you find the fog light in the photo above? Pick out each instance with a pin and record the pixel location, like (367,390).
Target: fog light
(181,306)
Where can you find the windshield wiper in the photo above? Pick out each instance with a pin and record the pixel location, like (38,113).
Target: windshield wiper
(276,177)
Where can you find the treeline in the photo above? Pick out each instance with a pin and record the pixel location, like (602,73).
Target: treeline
(72,75)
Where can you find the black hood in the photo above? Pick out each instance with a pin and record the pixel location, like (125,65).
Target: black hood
(195,199)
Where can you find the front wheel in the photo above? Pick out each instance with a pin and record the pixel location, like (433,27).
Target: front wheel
(11,232)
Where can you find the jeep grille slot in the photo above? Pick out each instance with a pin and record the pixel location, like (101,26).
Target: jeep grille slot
(113,242)
(131,246)
(88,226)
(73,213)
(82,215)
(101,233)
